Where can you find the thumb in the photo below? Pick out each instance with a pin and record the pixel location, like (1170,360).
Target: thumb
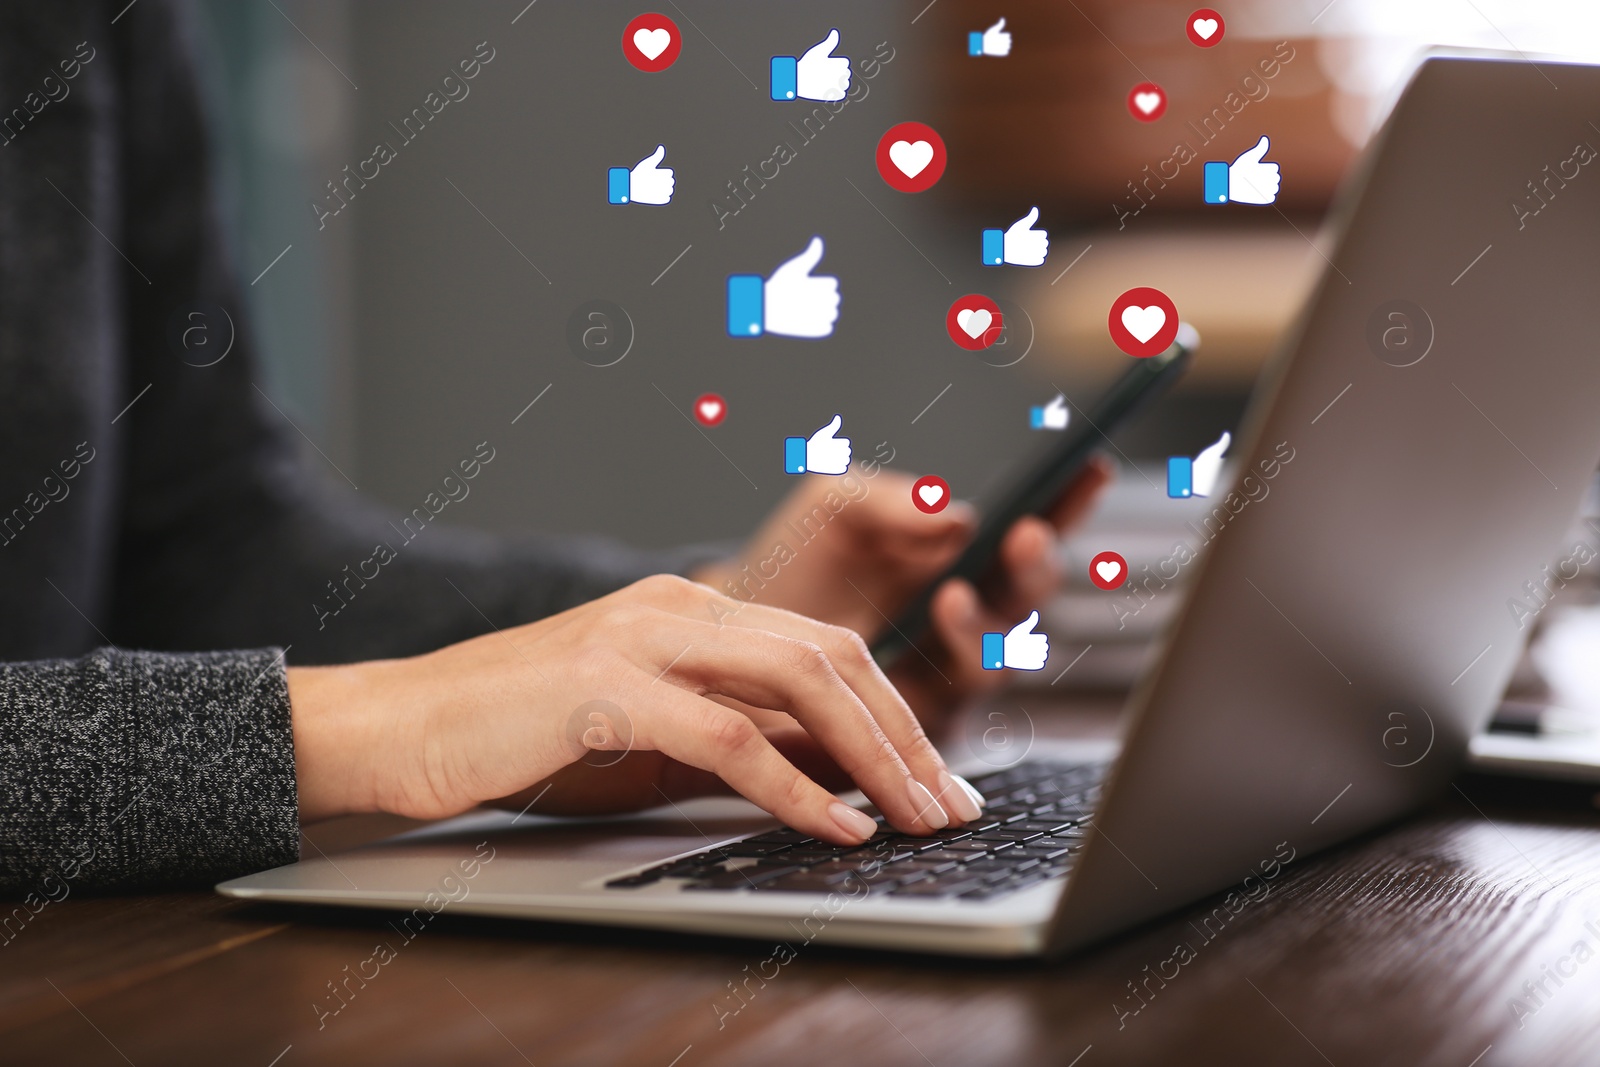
(1058,403)
(1026,625)
(1025,222)
(1253,155)
(997,27)
(826,46)
(801,265)
(1217,448)
(655,157)
(829,430)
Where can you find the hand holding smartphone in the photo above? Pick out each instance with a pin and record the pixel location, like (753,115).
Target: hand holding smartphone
(1040,485)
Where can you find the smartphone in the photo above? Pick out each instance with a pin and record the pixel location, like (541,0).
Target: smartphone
(1041,484)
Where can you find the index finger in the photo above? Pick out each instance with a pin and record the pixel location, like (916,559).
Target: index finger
(704,734)
(952,799)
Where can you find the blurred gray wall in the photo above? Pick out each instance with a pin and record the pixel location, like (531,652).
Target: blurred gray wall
(445,317)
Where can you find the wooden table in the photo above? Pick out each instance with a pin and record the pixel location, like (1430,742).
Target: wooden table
(1410,946)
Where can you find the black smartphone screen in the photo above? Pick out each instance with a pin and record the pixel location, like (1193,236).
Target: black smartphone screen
(1041,484)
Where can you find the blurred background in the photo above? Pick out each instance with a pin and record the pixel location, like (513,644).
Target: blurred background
(425,315)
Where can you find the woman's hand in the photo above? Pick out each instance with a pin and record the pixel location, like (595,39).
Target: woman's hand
(855,550)
(638,673)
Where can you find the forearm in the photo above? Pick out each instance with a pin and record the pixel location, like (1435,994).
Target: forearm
(126,770)
(280,563)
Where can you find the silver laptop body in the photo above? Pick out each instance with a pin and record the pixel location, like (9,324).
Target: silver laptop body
(1411,460)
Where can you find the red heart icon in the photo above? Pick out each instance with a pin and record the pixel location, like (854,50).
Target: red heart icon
(1147,101)
(710,409)
(1108,571)
(651,42)
(910,157)
(1143,322)
(974,322)
(931,494)
(1205,28)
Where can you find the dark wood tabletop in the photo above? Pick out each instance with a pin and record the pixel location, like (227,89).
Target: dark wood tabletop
(1465,936)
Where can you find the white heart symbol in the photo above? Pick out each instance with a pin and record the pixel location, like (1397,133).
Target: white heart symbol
(1143,323)
(930,494)
(1147,102)
(653,42)
(1108,570)
(974,321)
(1205,28)
(911,156)
(710,409)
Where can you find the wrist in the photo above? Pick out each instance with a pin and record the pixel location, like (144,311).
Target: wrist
(330,713)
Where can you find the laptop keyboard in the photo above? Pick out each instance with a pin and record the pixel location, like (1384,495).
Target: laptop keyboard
(1031,830)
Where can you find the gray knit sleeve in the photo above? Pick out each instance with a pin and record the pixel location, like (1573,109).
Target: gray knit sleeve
(131,770)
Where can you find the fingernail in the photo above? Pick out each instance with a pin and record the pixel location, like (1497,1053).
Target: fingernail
(853,822)
(956,795)
(976,797)
(927,808)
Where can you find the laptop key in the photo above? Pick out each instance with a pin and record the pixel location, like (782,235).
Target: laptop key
(807,855)
(916,844)
(683,869)
(806,882)
(785,837)
(744,878)
(1026,879)
(999,813)
(933,866)
(1008,834)
(1071,833)
(756,848)
(879,856)
(987,865)
(837,871)
(972,845)
(942,856)
(1033,850)
(953,834)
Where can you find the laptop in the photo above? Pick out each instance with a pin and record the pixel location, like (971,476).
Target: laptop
(1411,458)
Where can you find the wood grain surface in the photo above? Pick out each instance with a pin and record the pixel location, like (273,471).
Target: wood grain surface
(1467,936)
